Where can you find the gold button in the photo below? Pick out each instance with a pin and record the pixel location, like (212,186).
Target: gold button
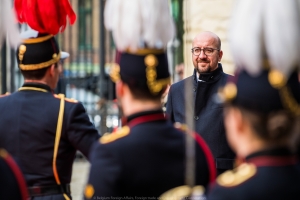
(89,191)
(22,49)
(276,79)
(151,60)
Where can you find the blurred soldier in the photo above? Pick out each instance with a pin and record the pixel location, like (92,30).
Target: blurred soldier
(42,130)
(12,183)
(262,114)
(146,157)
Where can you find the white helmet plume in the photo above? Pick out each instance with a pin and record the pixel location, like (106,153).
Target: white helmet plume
(135,23)
(8,25)
(266,30)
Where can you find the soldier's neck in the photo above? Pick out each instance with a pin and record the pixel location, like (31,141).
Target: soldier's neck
(35,81)
(132,106)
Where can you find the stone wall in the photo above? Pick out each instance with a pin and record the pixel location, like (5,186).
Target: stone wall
(207,15)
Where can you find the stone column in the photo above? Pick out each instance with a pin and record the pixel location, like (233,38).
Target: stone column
(96,29)
(74,31)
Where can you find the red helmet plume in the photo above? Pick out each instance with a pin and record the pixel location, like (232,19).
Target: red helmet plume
(45,16)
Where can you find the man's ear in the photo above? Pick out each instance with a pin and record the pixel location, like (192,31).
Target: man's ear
(52,70)
(119,88)
(220,55)
(233,119)
(241,123)
(238,118)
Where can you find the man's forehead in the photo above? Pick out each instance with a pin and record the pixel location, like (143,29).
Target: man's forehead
(205,42)
(205,39)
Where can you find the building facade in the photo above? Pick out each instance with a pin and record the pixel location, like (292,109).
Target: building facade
(206,15)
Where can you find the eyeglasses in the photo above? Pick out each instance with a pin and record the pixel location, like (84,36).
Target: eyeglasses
(207,51)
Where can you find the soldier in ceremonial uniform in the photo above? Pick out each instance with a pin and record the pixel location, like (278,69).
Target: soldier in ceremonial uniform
(262,114)
(146,157)
(42,130)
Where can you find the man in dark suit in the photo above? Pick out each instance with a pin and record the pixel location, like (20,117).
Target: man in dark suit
(41,130)
(208,114)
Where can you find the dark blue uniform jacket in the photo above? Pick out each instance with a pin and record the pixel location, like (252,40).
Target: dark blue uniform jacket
(143,160)
(271,174)
(28,124)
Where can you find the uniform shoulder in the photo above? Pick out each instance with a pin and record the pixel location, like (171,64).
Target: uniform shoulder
(180,126)
(110,137)
(4,95)
(3,153)
(237,176)
(71,100)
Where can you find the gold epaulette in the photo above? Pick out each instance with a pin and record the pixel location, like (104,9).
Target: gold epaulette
(71,100)
(107,138)
(3,153)
(66,99)
(182,127)
(237,176)
(4,95)
(183,192)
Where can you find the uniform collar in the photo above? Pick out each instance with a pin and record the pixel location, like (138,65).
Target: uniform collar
(146,116)
(37,85)
(208,77)
(279,151)
(279,156)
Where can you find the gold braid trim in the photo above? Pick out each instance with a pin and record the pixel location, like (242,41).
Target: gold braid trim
(37,40)
(55,59)
(115,72)
(288,101)
(32,88)
(278,81)
(155,86)
(57,140)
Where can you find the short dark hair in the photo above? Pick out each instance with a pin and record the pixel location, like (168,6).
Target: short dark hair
(140,92)
(273,127)
(218,43)
(36,74)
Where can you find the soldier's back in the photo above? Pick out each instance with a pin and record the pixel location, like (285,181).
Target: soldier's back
(263,177)
(29,128)
(145,160)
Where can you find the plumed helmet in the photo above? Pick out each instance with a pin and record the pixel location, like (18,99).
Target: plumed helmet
(141,30)
(265,42)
